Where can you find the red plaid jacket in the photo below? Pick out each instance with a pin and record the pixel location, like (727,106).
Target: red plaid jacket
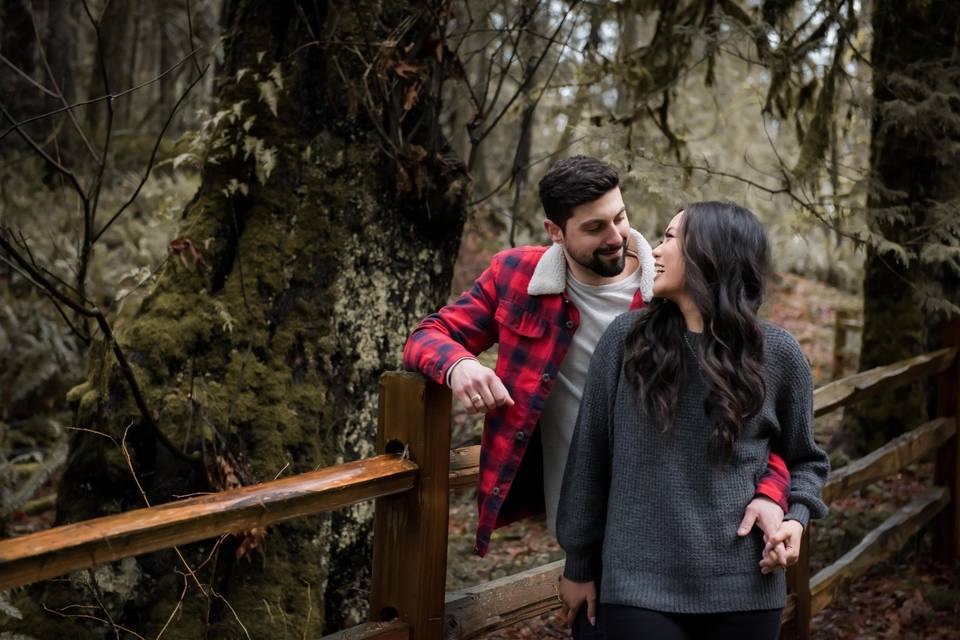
(534,331)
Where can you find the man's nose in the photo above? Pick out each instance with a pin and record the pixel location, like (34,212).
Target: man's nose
(613,236)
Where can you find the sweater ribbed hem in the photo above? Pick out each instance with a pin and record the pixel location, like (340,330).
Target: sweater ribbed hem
(695,594)
(580,568)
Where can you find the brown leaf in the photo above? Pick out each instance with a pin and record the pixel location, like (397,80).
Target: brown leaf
(411,98)
(404,69)
(188,253)
(252,541)
(404,185)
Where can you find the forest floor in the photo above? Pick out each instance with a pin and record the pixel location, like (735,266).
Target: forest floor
(907,596)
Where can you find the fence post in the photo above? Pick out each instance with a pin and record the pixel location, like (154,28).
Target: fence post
(410,529)
(946,542)
(798,584)
(839,342)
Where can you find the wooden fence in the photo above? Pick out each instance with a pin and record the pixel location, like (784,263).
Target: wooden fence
(411,479)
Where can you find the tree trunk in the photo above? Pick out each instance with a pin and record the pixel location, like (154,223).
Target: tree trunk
(913,179)
(322,231)
(17,95)
(116,42)
(60,45)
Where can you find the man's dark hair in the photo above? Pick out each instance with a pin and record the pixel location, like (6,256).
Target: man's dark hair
(572,182)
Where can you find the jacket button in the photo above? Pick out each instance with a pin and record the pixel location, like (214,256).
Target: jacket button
(521,435)
(546,377)
(496,491)
(569,324)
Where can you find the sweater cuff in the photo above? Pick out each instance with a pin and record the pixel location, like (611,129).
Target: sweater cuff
(579,568)
(798,512)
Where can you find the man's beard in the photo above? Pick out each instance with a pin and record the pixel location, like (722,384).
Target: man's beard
(601,264)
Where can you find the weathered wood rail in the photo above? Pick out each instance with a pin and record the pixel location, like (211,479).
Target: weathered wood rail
(411,479)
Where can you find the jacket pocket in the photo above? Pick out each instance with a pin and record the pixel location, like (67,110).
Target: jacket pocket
(514,317)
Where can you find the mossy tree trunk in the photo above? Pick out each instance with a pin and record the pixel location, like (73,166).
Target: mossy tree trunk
(325,227)
(914,190)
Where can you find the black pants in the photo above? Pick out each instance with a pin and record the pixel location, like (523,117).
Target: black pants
(618,622)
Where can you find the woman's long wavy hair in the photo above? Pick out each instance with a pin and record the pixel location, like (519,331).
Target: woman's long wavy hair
(726,256)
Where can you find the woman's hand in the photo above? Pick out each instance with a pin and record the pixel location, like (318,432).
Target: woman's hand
(783,547)
(572,596)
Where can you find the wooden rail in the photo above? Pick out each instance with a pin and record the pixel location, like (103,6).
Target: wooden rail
(868,383)
(60,550)
(877,545)
(396,630)
(890,458)
(844,321)
(475,611)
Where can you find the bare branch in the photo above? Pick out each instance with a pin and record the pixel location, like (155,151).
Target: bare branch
(23,75)
(16,126)
(529,75)
(59,93)
(196,65)
(90,101)
(153,155)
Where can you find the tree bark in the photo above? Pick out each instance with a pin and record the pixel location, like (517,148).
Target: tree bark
(913,175)
(322,231)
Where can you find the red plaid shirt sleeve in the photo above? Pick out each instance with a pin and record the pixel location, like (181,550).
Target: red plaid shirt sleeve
(775,482)
(461,329)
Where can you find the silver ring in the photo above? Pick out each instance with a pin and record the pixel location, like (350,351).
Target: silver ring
(475,397)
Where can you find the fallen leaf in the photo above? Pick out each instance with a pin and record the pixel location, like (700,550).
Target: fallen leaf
(411,98)
(404,69)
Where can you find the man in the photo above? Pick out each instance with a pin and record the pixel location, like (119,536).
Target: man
(547,308)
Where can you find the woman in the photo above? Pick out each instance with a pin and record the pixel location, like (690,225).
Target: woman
(683,402)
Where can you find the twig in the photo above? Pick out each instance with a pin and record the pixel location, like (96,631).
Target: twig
(94,588)
(179,600)
(229,606)
(26,77)
(196,65)
(83,103)
(281,471)
(17,126)
(90,617)
(531,164)
(306,622)
(56,86)
(153,155)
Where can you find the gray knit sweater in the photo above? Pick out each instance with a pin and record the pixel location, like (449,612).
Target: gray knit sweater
(659,509)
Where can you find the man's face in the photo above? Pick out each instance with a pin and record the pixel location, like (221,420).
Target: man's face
(596,234)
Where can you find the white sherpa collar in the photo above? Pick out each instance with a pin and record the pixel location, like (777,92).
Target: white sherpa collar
(550,274)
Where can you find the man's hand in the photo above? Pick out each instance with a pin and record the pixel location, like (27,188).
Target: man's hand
(788,536)
(477,387)
(573,595)
(768,516)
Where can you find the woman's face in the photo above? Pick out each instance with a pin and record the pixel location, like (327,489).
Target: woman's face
(669,279)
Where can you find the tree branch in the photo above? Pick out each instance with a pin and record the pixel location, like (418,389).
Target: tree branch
(153,155)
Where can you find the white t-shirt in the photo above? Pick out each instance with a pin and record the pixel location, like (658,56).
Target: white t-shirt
(598,306)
